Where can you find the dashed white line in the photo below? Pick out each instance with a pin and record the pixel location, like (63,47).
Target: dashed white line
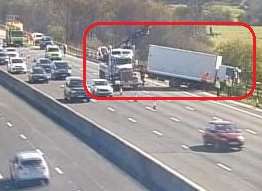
(251,131)
(111,109)
(224,167)
(93,100)
(1,176)
(22,136)
(132,120)
(157,133)
(217,118)
(174,119)
(184,146)
(9,124)
(190,108)
(39,151)
(201,130)
(150,108)
(58,170)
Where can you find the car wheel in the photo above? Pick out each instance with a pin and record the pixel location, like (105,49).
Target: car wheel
(46,181)
(217,146)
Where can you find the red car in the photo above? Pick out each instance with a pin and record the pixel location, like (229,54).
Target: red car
(223,134)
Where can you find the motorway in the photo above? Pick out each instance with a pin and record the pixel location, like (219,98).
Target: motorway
(172,133)
(74,166)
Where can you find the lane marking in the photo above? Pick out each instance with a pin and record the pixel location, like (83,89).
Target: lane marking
(111,109)
(185,146)
(217,118)
(190,108)
(1,176)
(251,131)
(9,124)
(174,119)
(59,171)
(157,133)
(201,130)
(224,167)
(22,136)
(132,120)
(39,151)
(150,108)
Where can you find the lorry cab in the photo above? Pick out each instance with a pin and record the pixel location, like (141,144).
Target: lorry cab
(122,53)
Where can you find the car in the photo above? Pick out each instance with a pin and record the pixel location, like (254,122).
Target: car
(46,64)
(17,65)
(37,38)
(46,40)
(37,74)
(74,90)
(101,87)
(11,55)
(53,52)
(28,166)
(60,70)
(3,58)
(222,134)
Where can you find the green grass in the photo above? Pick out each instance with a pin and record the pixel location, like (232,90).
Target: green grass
(235,11)
(231,33)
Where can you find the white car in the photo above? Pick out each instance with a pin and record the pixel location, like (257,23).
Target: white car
(28,166)
(37,37)
(101,87)
(17,65)
(53,52)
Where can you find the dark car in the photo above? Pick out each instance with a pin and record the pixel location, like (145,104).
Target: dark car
(46,40)
(60,70)
(222,135)
(3,58)
(45,63)
(37,74)
(73,89)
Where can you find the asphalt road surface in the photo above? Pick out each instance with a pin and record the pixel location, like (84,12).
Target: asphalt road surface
(73,165)
(172,132)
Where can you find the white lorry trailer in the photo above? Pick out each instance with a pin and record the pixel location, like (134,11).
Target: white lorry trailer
(184,67)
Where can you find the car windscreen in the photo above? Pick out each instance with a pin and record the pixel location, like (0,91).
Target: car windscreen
(17,61)
(226,128)
(38,36)
(75,83)
(53,50)
(38,71)
(44,61)
(31,162)
(47,38)
(61,65)
(17,33)
(100,83)
(116,52)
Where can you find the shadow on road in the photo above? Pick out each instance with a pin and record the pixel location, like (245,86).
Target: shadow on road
(72,102)
(210,149)
(8,185)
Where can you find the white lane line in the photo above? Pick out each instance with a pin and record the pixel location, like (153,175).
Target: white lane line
(132,120)
(174,119)
(1,176)
(251,131)
(224,167)
(39,151)
(217,118)
(190,108)
(184,146)
(22,136)
(58,170)
(9,124)
(157,133)
(93,100)
(150,108)
(111,109)
(201,130)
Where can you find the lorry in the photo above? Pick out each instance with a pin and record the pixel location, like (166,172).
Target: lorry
(118,67)
(14,33)
(189,68)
